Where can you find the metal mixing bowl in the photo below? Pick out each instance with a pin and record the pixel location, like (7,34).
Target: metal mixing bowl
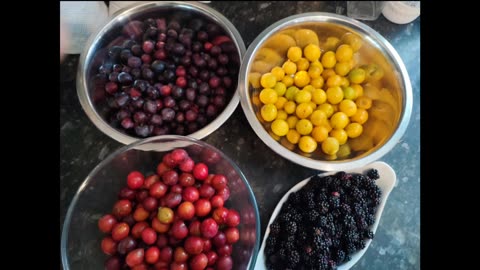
(374,47)
(92,98)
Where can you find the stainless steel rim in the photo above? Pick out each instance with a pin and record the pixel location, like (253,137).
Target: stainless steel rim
(86,56)
(347,22)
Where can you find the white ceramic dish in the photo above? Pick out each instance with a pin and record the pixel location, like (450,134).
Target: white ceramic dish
(386,182)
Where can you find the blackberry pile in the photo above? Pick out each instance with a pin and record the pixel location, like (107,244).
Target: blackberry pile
(322,224)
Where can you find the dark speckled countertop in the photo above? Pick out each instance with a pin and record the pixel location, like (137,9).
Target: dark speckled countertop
(397,242)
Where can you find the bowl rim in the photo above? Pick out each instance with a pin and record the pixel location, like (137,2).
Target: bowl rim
(125,148)
(120,15)
(377,40)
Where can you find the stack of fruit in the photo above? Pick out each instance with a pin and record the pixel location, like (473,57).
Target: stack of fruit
(317,95)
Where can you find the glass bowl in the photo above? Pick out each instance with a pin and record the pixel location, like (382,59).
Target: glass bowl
(81,238)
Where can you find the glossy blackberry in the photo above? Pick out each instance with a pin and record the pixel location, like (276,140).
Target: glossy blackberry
(294,198)
(318,243)
(323,221)
(301,237)
(334,202)
(293,258)
(308,199)
(356,193)
(322,263)
(373,174)
(320,197)
(274,228)
(345,208)
(339,256)
(359,245)
(370,219)
(313,216)
(286,217)
(348,221)
(282,252)
(362,224)
(291,227)
(332,264)
(297,216)
(323,208)
(368,235)
(270,245)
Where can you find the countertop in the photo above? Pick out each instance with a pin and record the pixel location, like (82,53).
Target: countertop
(397,242)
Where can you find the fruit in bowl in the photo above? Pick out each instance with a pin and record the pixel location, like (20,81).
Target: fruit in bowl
(325,91)
(133,227)
(317,92)
(160,68)
(167,201)
(168,76)
(333,218)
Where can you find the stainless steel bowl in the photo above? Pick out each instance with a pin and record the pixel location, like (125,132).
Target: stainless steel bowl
(376,44)
(96,49)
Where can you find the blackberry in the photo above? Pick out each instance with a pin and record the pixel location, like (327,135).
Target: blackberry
(375,193)
(323,221)
(336,213)
(332,264)
(274,228)
(322,263)
(320,197)
(347,258)
(336,242)
(334,202)
(358,209)
(356,193)
(272,241)
(302,237)
(360,245)
(336,183)
(286,217)
(351,236)
(330,219)
(308,199)
(318,243)
(357,179)
(345,208)
(341,175)
(350,248)
(348,221)
(314,183)
(369,234)
(324,207)
(282,252)
(297,217)
(373,174)
(293,258)
(271,245)
(327,180)
(339,256)
(294,198)
(313,216)
(362,224)
(291,228)
(370,219)
(290,244)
